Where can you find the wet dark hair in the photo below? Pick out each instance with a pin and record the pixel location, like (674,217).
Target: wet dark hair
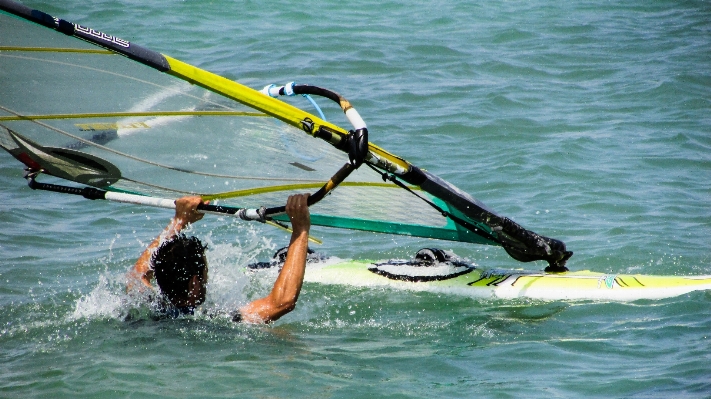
(175,262)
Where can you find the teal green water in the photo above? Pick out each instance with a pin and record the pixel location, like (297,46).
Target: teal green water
(589,122)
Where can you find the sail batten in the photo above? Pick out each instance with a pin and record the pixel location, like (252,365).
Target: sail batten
(91,115)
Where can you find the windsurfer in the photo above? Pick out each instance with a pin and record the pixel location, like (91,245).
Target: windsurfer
(179,266)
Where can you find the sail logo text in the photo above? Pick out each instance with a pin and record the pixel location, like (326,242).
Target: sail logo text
(101,36)
(111,126)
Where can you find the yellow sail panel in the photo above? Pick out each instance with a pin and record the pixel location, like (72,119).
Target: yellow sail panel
(279,109)
(245,95)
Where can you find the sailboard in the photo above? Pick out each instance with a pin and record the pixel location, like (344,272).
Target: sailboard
(442,272)
(485,283)
(114,120)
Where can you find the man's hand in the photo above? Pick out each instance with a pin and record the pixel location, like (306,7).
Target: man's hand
(298,211)
(186,210)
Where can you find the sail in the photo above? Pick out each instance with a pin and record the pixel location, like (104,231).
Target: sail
(94,109)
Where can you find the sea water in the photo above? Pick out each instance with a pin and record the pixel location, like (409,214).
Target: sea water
(586,121)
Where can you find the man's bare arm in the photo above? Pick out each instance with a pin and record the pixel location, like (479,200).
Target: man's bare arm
(282,299)
(185,213)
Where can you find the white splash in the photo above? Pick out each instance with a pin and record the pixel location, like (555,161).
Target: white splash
(230,284)
(102,302)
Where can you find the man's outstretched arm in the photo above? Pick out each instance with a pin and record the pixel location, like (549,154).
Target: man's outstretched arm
(282,299)
(185,213)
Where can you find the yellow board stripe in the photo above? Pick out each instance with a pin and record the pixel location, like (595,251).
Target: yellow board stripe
(57,50)
(130,114)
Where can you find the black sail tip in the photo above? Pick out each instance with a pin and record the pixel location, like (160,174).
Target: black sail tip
(528,246)
(557,265)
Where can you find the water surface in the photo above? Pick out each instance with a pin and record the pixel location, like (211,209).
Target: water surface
(589,122)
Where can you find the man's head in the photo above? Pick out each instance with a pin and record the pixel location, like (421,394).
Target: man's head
(180,269)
